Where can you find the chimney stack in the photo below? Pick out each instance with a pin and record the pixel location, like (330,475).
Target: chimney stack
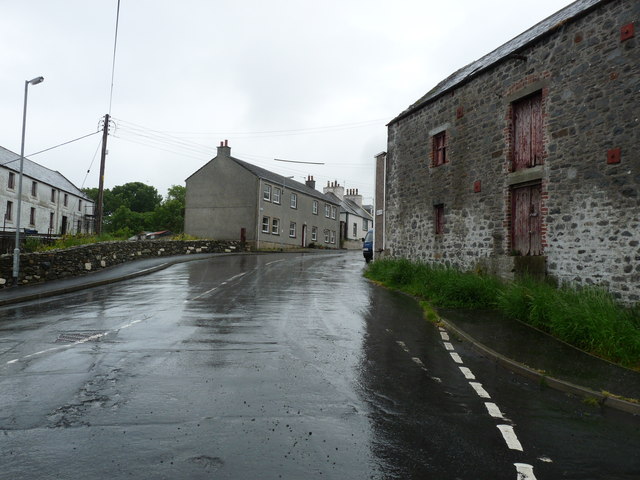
(335,188)
(354,196)
(224,150)
(310,182)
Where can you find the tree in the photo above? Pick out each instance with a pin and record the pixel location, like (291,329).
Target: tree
(126,222)
(136,196)
(170,214)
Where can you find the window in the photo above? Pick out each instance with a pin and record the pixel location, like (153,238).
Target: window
(8,215)
(276,195)
(438,211)
(292,229)
(265,224)
(294,200)
(440,148)
(333,236)
(32,216)
(34,189)
(315,207)
(355,230)
(12,180)
(266,193)
(79,205)
(314,234)
(333,212)
(327,210)
(79,226)
(53,195)
(51,217)
(326,236)
(275,226)
(527,149)
(66,200)
(365,225)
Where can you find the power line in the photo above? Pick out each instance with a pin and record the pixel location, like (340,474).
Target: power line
(47,149)
(113,64)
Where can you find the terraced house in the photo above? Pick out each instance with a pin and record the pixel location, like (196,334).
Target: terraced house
(230,199)
(528,158)
(51,204)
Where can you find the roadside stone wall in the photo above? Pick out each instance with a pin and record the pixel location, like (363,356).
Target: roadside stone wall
(56,264)
(589,81)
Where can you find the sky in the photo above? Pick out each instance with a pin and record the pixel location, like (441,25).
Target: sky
(299,80)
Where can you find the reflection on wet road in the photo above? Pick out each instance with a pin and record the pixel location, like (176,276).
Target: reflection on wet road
(273,366)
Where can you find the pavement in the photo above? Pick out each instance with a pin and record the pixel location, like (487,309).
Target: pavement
(512,344)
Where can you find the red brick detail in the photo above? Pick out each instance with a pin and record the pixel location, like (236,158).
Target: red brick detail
(613,156)
(627,32)
(477,186)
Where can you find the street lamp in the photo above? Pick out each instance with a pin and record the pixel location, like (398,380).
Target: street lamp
(16,250)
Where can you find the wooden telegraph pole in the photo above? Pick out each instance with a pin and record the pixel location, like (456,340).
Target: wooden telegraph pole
(99,206)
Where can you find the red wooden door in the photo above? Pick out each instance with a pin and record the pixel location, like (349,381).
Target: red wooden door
(527,132)
(526,221)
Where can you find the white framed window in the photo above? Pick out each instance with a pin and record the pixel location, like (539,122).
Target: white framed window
(314,234)
(333,212)
(34,189)
(327,210)
(32,216)
(8,214)
(66,200)
(51,220)
(53,195)
(265,224)
(315,207)
(326,235)
(333,236)
(79,205)
(12,181)
(355,230)
(292,229)
(276,195)
(294,200)
(79,226)
(275,226)
(266,193)
(365,225)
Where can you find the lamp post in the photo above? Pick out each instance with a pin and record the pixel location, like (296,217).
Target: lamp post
(16,250)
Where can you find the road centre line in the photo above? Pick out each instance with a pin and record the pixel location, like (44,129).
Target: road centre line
(510,437)
(403,345)
(275,261)
(445,336)
(215,288)
(448,346)
(456,357)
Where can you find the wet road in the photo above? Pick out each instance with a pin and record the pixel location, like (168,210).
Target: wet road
(277,366)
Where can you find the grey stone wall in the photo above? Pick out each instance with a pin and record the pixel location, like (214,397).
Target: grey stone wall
(590,84)
(56,264)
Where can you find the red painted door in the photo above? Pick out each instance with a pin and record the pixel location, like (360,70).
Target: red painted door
(526,221)
(527,132)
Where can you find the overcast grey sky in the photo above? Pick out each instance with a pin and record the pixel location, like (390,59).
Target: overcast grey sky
(305,80)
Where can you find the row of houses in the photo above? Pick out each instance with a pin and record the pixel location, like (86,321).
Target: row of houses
(230,199)
(50,203)
(526,160)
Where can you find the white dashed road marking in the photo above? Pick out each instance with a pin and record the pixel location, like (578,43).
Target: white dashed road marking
(493,410)
(456,357)
(445,336)
(482,393)
(510,437)
(402,345)
(448,347)
(525,471)
(467,373)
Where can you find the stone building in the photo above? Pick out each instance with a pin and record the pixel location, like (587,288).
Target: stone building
(51,204)
(527,159)
(230,199)
(355,220)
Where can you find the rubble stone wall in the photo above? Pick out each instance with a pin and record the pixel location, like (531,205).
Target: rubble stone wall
(56,264)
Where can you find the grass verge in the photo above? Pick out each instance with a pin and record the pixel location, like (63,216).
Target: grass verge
(587,318)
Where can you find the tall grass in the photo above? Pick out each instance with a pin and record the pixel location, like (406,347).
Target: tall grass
(588,318)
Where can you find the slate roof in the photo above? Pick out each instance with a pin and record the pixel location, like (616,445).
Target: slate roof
(31,169)
(545,27)
(289,183)
(350,206)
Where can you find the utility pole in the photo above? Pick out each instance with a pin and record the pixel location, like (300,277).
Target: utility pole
(103,156)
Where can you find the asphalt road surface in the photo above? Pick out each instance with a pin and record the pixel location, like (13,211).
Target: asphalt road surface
(277,366)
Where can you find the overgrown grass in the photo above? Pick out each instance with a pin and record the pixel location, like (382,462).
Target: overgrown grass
(34,244)
(587,318)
